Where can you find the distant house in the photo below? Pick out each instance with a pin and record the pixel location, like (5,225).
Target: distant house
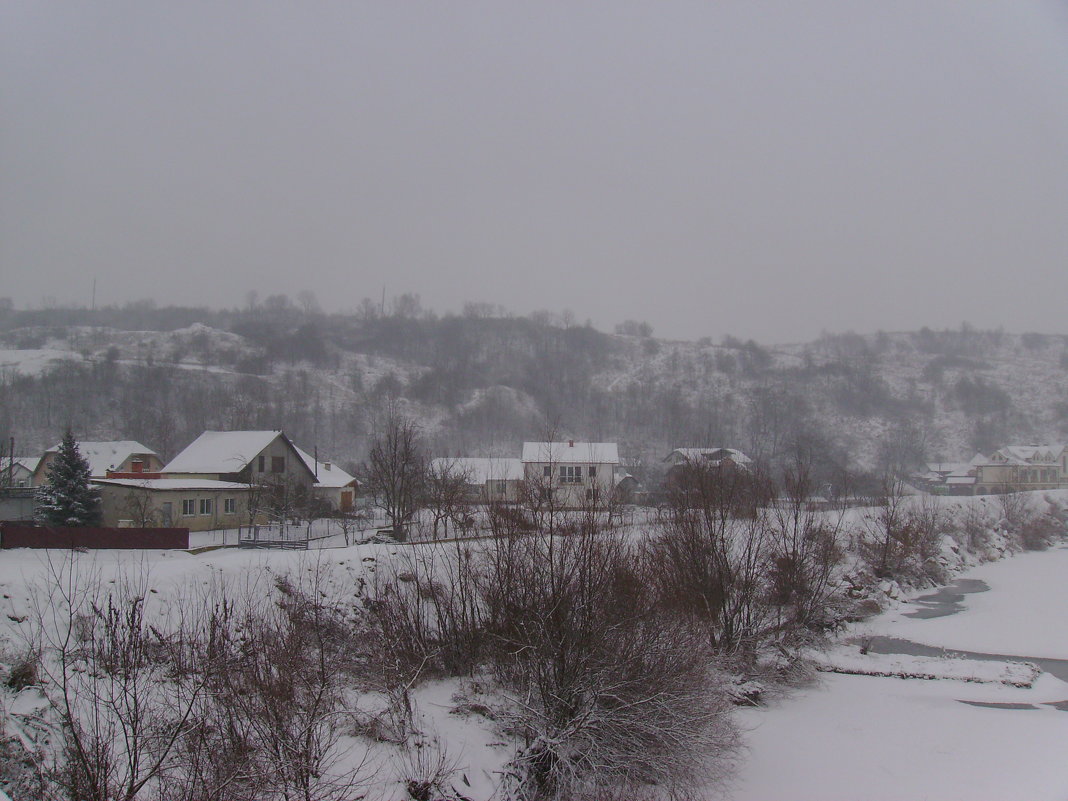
(950,478)
(243,457)
(626,486)
(18,472)
(489,479)
(708,456)
(576,473)
(194,503)
(121,456)
(332,484)
(685,460)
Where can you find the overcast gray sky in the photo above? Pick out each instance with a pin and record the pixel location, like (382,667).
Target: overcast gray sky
(769,170)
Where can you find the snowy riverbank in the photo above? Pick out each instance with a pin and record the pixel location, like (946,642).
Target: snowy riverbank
(876,738)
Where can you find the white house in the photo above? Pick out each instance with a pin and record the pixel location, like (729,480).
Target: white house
(490,479)
(576,473)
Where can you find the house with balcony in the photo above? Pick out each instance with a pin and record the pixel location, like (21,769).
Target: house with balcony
(119,456)
(574,474)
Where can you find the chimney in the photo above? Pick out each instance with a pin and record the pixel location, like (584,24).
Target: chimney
(571,443)
(326,465)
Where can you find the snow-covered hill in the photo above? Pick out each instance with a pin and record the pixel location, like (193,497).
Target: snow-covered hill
(485,384)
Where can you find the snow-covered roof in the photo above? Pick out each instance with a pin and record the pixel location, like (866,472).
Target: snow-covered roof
(480,469)
(960,479)
(28,462)
(328,474)
(173,483)
(949,467)
(1027,454)
(710,454)
(571,452)
(104,456)
(221,451)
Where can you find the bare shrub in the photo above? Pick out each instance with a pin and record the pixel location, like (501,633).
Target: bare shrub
(1032,529)
(426,771)
(1039,532)
(972,528)
(427,615)
(606,693)
(272,725)
(904,537)
(24,671)
(713,563)
(108,676)
(806,549)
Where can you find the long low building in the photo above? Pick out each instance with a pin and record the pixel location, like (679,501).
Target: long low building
(195,503)
(488,479)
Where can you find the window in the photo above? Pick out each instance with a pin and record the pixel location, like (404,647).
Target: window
(189,507)
(262,460)
(205,506)
(502,487)
(547,471)
(570,474)
(230,506)
(278,464)
(593,472)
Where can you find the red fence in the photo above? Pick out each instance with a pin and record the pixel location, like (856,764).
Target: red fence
(22,535)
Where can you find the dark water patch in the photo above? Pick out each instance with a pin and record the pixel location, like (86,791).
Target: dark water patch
(996,705)
(1060,706)
(946,600)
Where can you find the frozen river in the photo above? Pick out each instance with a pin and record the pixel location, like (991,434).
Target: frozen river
(871,738)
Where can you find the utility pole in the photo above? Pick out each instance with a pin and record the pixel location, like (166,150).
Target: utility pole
(93,305)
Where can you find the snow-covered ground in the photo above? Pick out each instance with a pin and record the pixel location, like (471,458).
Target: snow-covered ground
(875,738)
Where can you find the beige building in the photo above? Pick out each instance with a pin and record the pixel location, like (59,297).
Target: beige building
(120,456)
(1019,468)
(196,504)
(575,473)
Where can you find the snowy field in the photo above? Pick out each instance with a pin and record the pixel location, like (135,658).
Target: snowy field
(888,739)
(965,734)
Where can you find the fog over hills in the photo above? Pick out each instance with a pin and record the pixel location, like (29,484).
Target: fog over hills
(483,381)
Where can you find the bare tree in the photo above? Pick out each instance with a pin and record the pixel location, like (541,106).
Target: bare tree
(447,493)
(395,472)
(138,507)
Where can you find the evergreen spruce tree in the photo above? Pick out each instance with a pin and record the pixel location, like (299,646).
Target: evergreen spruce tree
(67,498)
